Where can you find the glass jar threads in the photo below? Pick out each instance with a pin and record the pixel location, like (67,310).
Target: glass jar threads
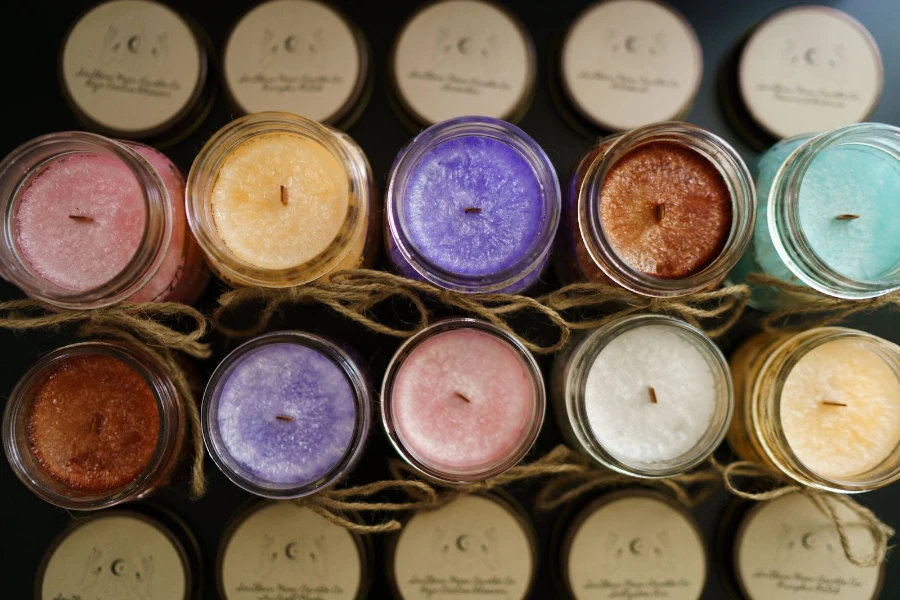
(644,395)
(462,400)
(277,200)
(663,210)
(94,424)
(90,221)
(472,205)
(828,215)
(822,407)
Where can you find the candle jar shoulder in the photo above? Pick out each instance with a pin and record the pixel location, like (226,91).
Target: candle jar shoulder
(827,216)
(663,210)
(94,424)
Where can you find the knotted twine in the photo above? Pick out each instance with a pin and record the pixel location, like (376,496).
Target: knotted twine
(143,319)
(810,308)
(826,502)
(354,294)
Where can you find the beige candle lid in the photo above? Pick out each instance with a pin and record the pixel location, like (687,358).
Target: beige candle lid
(478,547)
(296,56)
(279,547)
(627,63)
(809,69)
(631,544)
(463,57)
(787,549)
(132,68)
(120,555)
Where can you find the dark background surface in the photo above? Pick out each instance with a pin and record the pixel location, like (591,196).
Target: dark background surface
(30,36)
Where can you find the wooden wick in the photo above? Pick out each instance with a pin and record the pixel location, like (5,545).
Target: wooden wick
(97,423)
(284,198)
(284,418)
(659,212)
(473,210)
(458,395)
(653,396)
(81,219)
(846,217)
(830,403)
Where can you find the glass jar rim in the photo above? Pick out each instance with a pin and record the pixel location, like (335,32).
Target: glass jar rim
(38,154)
(230,466)
(205,169)
(510,135)
(718,153)
(523,444)
(576,399)
(783,212)
(19,400)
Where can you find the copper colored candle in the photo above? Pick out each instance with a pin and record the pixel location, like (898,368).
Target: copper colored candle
(94,424)
(666,210)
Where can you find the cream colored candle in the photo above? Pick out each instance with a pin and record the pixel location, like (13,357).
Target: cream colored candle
(840,409)
(279,200)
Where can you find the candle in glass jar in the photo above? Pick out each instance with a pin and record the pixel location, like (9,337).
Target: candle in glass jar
(666,210)
(93,425)
(840,409)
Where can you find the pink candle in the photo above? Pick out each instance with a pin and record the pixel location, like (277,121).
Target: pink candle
(463,400)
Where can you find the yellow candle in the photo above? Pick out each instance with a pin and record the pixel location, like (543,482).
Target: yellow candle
(840,409)
(279,200)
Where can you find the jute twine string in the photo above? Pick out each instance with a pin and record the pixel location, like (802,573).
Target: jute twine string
(168,361)
(813,309)
(355,293)
(826,502)
(142,319)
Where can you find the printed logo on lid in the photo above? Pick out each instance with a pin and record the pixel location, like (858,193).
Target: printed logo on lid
(463,57)
(284,550)
(131,65)
(627,63)
(473,547)
(115,558)
(809,69)
(788,549)
(296,56)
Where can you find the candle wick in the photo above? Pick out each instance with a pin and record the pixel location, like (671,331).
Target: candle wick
(652,395)
(284,196)
(830,403)
(97,423)
(81,218)
(284,418)
(846,217)
(659,212)
(473,210)
(458,395)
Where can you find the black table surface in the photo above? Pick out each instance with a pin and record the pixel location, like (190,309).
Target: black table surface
(30,36)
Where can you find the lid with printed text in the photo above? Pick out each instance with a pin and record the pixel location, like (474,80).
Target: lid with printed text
(478,547)
(627,63)
(788,549)
(297,56)
(457,58)
(135,69)
(808,69)
(275,548)
(118,555)
(633,544)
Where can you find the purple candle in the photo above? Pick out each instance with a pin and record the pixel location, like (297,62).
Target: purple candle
(473,205)
(286,414)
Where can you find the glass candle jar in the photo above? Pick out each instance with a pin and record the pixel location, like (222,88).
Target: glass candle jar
(644,395)
(286,414)
(828,215)
(276,200)
(462,401)
(663,210)
(94,424)
(282,548)
(90,221)
(472,205)
(822,407)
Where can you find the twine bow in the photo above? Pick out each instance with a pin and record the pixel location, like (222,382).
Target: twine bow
(142,319)
(826,502)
